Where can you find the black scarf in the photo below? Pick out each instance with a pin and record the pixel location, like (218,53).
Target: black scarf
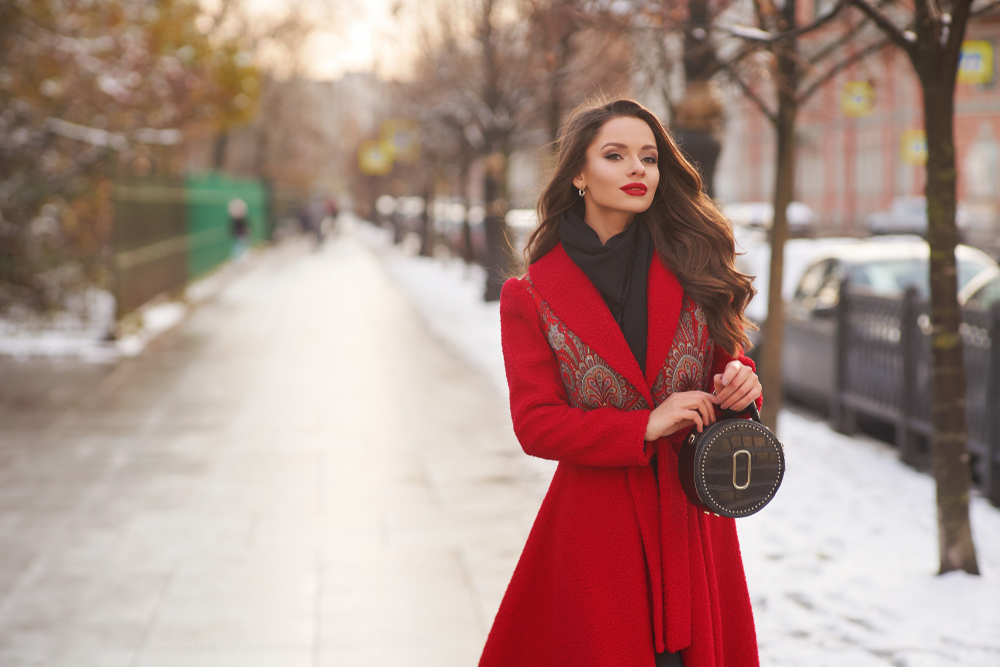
(618,269)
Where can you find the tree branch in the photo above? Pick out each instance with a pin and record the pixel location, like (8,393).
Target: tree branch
(886,25)
(959,18)
(765,37)
(835,44)
(836,69)
(734,75)
(985,9)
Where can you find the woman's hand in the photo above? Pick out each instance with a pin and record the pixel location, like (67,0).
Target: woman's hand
(679,412)
(737,387)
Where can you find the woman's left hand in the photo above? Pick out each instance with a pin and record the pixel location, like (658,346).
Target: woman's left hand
(737,387)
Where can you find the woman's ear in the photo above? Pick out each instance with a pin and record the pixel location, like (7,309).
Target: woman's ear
(580,183)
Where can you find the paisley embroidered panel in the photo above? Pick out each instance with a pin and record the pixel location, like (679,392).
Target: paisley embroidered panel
(589,380)
(688,366)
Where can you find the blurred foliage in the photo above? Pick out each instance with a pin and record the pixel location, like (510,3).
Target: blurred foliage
(91,91)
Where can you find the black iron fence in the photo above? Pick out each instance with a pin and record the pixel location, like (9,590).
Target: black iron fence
(884,371)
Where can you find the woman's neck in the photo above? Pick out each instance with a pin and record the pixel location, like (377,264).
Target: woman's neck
(607,222)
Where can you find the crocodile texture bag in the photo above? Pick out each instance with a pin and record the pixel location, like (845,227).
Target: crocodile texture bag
(733,467)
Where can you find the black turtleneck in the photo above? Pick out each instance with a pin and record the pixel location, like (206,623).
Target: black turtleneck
(618,269)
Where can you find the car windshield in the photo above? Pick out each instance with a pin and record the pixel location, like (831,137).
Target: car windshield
(986,295)
(893,277)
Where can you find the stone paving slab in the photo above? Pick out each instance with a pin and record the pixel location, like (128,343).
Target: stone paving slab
(296,475)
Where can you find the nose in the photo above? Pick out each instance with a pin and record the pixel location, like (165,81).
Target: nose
(637,168)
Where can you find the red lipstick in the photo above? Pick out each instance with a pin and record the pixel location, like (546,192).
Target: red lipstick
(634,189)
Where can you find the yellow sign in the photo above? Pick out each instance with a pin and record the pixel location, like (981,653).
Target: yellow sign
(975,65)
(913,148)
(404,138)
(857,99)
(375,158)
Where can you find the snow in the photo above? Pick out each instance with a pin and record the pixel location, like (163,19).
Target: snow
(155,319)
(841,565)
(83,330)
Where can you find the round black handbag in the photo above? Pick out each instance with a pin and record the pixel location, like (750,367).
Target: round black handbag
(733,467)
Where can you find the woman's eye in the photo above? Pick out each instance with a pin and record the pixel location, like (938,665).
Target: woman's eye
(613,156)
(649,159)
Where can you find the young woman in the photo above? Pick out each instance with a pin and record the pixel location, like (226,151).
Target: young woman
(626,333)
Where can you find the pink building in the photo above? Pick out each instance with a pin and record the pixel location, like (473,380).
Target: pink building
(849,166)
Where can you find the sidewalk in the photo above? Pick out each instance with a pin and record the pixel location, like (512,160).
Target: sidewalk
(296,475)
(316,468)
(841,565)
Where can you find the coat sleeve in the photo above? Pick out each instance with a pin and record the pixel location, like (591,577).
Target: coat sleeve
(544,422)
(722,358)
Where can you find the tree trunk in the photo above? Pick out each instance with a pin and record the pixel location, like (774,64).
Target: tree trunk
(219,150)
(468,252)
(427,221)
(498,265)
(770,371)
(786,82)
(949,447)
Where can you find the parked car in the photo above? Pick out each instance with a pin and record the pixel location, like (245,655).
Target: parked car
(884,267)
(760,214)
(754,259)
(982,291)
(908,215)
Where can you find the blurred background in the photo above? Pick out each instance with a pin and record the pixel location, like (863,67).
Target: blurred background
(128,127)
(231,231)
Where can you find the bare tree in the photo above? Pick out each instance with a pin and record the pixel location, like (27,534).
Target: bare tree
(577,48)
(930,33)
(471,87)
(282,123)
(684,53)
(773,57)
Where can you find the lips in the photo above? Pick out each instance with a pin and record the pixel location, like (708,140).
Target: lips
(634,189)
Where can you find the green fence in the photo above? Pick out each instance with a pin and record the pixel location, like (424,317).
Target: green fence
(167,233)
(210,240)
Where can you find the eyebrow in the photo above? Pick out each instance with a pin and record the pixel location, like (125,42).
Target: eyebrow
(613,144)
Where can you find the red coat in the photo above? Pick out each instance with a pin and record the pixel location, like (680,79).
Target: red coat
(618,561)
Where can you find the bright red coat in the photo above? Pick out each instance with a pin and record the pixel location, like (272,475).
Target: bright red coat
(618,561)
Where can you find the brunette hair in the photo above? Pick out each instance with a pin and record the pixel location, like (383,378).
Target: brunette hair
(689,232)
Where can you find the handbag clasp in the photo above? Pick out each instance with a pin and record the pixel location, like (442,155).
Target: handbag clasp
(749,460)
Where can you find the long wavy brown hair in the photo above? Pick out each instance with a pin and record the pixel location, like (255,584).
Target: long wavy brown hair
(689,232)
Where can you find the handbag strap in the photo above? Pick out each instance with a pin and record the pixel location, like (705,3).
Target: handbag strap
(749,410)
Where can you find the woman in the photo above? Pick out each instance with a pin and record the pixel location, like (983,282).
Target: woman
(626,333)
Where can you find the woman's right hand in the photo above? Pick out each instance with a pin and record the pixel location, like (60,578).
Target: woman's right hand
(679,412)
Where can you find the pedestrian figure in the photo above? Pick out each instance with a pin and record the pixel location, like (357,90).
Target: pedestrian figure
(331,213)
(629,318)
(311,222)
(238,226)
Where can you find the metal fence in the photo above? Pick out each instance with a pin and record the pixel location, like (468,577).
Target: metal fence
(884,371)
(170,232)
(150,242)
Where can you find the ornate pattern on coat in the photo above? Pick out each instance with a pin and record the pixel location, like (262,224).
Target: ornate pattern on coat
(688,366)
(589,380)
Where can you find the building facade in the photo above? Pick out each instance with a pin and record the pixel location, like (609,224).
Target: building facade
(860,142)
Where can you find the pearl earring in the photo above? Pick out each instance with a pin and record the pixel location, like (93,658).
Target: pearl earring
(582,192)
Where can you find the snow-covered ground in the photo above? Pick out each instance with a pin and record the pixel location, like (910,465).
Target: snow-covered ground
(87,329)
(841,565)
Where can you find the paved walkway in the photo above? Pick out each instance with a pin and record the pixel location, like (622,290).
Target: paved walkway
(298,475)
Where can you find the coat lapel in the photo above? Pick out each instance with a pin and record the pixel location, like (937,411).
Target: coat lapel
(664,297)
(575,300)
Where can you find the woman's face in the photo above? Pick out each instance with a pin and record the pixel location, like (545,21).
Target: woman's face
(621,172)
